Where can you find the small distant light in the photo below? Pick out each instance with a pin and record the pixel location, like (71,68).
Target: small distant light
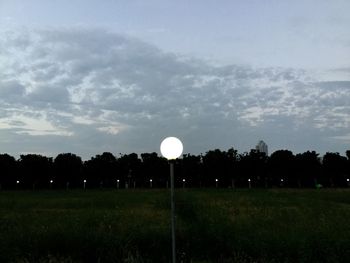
(51,181)
(84,181)
(348,180)
(117,180)
(17,182)
(216,180)
(281,180)
(249,180)
(150,180)
(183,180)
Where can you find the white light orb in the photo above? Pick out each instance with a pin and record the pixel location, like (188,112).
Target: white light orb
(216,180)
(348,180)
(248,180)
(84,181)
(117,180)
(51,181)
(171,148)
(17,182)
(183,180)
(150,180)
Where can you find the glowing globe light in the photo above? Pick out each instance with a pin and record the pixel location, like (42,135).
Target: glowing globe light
(171,148)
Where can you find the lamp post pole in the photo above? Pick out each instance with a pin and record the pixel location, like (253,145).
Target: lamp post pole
(172,211)
(171,148)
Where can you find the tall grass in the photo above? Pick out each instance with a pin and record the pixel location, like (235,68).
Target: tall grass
(212,226)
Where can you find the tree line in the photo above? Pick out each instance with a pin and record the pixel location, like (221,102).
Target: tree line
(215,168)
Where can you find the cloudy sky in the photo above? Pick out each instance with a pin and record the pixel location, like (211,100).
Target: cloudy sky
(88,76)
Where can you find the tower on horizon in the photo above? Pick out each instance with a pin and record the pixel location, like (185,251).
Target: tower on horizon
(262,147)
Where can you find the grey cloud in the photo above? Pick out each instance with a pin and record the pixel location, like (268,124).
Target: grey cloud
(334,84)
(11,89)
(100,89)
(49,94)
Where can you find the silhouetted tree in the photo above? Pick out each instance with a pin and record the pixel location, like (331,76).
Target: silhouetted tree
(348,154)
(334,167)
(348,166)
(36,170)
(129,170)
(68,170)
(191,170)
(307,170)
(155,168)
(281,167)
(213,162)
(233,158)
(101,170)
(230,168)
(252,166)
(8,171)
(218,164)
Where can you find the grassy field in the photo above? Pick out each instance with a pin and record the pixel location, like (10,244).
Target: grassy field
(212,226)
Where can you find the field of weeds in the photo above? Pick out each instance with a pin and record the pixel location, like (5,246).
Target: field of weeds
(213,225)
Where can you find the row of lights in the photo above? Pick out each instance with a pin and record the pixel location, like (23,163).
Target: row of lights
(183,180)
(51,181)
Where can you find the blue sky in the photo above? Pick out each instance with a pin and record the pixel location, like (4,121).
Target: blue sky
(94,76)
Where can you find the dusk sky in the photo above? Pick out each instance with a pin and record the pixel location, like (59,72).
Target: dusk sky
(89,76)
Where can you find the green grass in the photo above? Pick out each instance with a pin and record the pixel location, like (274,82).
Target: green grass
(212,226)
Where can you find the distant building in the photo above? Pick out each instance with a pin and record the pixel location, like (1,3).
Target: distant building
(262,147)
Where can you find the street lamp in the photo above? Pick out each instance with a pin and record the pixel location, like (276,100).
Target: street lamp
(183,183)
(51,181)
(216,183)
(171,148)
(249,184)
(150,183)
(84,184)
(117,183)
